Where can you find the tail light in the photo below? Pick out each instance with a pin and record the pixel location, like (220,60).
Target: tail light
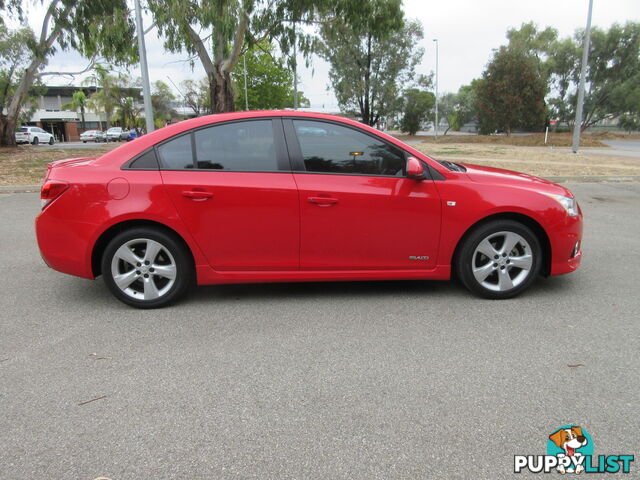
(51,190)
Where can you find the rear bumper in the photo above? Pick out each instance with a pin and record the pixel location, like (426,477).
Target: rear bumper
(566,246)
(64,244)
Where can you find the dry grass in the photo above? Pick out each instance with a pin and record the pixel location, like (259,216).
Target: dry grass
(534,140)
(539,161)
(27,165)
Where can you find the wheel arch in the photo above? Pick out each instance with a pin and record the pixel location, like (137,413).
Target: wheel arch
(106,236)
(536,228)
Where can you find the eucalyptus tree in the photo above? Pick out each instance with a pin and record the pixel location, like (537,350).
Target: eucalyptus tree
(218,33)
(91,27)
(371,58)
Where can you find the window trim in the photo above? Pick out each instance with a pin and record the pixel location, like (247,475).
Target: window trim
(282,158)
(297,160)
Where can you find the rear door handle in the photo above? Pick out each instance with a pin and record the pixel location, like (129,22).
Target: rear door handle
(323,201)
(197,195)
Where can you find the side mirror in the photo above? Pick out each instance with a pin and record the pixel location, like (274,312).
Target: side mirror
(415,169)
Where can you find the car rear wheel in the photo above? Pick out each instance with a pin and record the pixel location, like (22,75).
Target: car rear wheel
(51,141)
(147,268)
(499,259)
(35,141)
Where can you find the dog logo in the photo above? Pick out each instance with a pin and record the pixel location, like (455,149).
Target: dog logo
(572,442)
(570,450)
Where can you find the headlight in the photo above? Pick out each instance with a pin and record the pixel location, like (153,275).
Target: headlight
(569,203)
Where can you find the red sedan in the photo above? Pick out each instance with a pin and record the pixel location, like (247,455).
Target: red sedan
(283,196)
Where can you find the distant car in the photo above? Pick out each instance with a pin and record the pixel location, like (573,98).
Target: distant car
(113,134)
(93,136)
(33,135)
(132,135)
(124,135)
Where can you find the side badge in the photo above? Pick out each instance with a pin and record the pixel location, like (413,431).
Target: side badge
(418,257)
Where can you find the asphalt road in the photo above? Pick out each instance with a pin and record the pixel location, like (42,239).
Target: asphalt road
(329,381)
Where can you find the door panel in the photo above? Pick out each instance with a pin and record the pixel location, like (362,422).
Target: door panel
(240,220)
(232,186)
(368,223)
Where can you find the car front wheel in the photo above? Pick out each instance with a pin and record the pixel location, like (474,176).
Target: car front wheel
(499,260)
(51,141)
(147,268)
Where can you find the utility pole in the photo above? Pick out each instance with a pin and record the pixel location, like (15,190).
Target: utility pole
(583,74)
(436,124)
(246,96)
(295,67)
(146,88)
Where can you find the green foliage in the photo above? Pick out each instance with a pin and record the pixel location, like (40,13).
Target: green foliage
(458,108)
(88,26)
(162,100)
(629,122)
(612,70)
(417,108)
(105,99)
(79,102)
(371,58)
(269,81)
(196,96)
(511,93)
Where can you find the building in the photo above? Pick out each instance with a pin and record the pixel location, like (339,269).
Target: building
(66,125)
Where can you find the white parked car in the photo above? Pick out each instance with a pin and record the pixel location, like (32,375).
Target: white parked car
(113,134)
(33,135)
(93,136)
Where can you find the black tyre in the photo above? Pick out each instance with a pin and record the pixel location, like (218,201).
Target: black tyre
(147,267)
(35,141)
(499,259)
(51,141)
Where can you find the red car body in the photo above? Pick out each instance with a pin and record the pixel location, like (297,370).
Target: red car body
(292,225)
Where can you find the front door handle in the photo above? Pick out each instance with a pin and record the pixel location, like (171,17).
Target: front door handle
(197,195)
(323,201)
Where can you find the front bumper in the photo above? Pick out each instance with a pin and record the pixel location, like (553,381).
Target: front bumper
(566,246)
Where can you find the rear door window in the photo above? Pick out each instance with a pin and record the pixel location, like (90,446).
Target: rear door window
(176,154)
(246,146)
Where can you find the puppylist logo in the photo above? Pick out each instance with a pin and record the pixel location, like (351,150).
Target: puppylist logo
(570,450)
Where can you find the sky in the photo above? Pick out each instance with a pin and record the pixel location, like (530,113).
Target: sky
(467,32)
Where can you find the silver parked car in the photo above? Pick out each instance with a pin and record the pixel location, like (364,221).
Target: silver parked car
(93,136)
(113,134)
(33,135)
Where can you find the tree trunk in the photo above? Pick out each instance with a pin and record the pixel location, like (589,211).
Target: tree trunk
(7,131)
(221,90)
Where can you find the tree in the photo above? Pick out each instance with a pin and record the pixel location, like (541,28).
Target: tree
(629,123)
(371,59)
(12,63)
(218,32)
(269,81)
(78,102)
(107,96)
(417,105)
(458,108)
(162,101)
(90,27)
(511,93)
(196,96)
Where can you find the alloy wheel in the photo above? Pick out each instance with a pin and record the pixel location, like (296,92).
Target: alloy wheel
(502,261)
(143,269)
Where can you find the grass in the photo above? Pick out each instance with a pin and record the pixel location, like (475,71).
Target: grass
(27,165)
(533,140)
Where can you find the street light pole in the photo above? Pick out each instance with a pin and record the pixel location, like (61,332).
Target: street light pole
(146,89)
(436,124)
(295,67)
(246,95)
(583,74)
